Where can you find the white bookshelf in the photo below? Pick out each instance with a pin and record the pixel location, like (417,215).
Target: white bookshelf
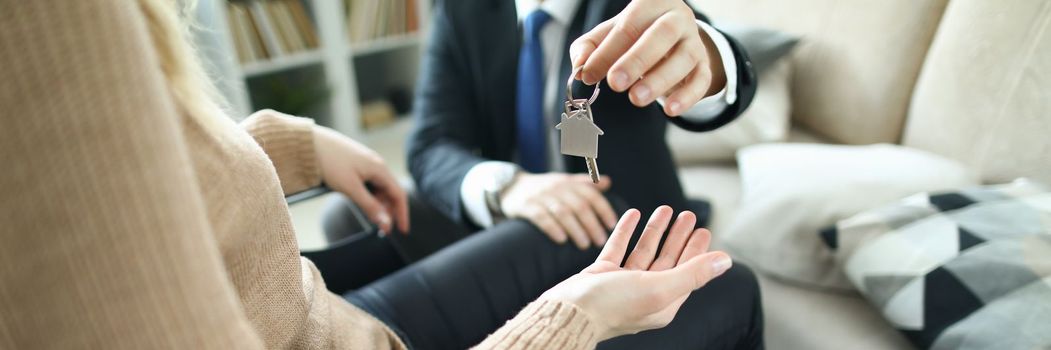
(278,64)
(384,44)
(335,57)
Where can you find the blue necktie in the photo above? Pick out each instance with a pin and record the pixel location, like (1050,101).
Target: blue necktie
(532,136)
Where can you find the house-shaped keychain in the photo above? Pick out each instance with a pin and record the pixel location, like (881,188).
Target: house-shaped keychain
(579,134)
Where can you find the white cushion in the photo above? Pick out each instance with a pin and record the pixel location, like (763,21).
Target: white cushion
(966,269)
(791,191)
(766,120)
(720,185)
(796,317)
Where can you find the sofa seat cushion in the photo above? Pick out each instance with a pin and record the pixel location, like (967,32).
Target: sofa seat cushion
(798,317)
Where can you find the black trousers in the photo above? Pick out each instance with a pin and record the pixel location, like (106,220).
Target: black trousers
(455,297)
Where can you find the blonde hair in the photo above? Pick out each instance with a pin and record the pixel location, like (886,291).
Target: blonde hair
(194,94)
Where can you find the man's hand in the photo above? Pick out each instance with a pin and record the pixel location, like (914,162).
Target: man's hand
(347,166)
(654,48)
(563,206)
(648,291)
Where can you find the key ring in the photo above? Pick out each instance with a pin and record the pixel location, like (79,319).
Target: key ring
(569,91)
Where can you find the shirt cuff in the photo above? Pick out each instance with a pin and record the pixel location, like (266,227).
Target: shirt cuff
(472,190)
(714,105)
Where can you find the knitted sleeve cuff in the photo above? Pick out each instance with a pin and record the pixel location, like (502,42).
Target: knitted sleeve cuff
(545,324)
(289,142)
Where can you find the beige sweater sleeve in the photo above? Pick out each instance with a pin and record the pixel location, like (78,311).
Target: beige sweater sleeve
(104,241)
(289,142)
(545,325)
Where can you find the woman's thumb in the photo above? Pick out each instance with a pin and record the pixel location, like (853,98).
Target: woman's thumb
(695,273)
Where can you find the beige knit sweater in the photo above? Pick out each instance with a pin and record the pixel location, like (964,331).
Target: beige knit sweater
(124,224)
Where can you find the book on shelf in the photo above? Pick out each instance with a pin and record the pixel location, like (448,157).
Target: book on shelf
(369,20)
(377,113)
(265,29)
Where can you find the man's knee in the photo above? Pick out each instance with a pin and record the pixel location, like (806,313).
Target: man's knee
(748,303)
(743,284)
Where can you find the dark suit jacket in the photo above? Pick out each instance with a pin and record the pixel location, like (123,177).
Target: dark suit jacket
(465,108)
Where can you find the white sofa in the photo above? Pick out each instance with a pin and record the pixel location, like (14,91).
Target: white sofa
(967,79)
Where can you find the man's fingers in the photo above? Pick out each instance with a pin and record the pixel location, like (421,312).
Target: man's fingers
(676,241)
(617,244)
(582,48)
(372,207)
(697,245)
(543,220)
(689,276)
(577,199)
(565,217)
(603,184)
(642,256)
(669,73)
(689,92)
(651,48)
(627,29)
(599,205)
(595,229)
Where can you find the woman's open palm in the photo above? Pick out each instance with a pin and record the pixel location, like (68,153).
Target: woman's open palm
(645,290)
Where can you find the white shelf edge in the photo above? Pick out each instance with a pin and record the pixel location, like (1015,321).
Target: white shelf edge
(281,63)
(384,44)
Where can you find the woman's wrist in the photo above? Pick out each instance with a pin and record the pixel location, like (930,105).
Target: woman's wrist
(576,298)
(547,324)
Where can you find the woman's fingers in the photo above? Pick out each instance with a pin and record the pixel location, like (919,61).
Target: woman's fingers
(688,276)
(642,256)
(676,241)
(617,244)
(397,200)
(372,207)
(697,245)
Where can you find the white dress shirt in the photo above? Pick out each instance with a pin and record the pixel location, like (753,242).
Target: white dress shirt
(552,40)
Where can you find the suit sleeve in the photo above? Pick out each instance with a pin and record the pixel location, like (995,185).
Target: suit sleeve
(105,241)
(444,146)
(746,86)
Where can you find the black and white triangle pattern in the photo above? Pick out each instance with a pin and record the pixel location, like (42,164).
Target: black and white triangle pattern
(954,270)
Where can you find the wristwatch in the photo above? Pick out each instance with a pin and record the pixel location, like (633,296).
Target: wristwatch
(494,189)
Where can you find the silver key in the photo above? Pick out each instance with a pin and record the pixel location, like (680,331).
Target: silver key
(579,132)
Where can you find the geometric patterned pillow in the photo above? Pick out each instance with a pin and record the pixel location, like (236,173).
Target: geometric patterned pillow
(969,269)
